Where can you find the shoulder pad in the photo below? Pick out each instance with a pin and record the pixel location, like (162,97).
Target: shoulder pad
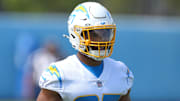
(51,79)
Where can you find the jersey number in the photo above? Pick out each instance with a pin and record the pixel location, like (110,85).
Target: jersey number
(105,97)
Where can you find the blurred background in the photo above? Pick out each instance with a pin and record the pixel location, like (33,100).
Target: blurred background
(147,40)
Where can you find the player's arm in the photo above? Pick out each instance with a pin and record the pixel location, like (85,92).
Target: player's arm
(47,95)
(125,97)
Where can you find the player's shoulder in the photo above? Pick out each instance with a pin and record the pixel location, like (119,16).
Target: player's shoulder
(53,76)
(120,68)
(65,64)
(68,60)
(117,66)
(114,63)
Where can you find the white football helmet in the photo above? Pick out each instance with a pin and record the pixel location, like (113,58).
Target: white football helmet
(92,30)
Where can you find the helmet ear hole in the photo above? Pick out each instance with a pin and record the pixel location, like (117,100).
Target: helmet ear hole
(73,36)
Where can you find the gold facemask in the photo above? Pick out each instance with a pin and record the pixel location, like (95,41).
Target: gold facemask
(96,41)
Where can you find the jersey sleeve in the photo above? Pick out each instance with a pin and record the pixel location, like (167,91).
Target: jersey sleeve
(51,79)
(128,76)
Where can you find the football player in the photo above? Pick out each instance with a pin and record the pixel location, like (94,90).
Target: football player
(90,75)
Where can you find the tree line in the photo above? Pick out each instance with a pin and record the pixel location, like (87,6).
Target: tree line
(147,7)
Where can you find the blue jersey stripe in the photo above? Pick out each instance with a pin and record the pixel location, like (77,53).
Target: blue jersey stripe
(96,70)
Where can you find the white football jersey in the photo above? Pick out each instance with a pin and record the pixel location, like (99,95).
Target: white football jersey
(74,82)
